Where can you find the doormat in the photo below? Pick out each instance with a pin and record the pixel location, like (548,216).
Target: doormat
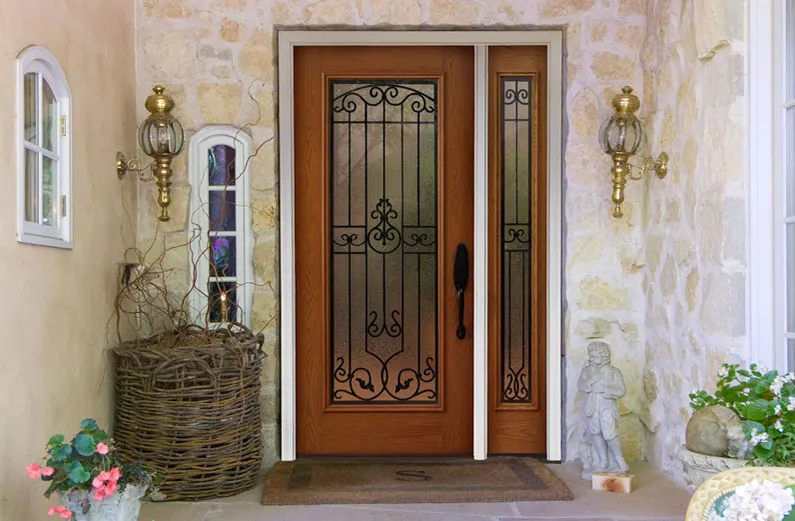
(338,481)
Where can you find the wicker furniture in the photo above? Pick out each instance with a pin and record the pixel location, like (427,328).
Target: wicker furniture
(192,412)
(703,500)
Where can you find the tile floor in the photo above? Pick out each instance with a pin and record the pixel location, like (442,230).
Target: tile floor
(655,498)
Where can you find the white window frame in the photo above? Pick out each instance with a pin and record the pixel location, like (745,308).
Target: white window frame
(204,139)
(480,41)
(40,61)
(767,307)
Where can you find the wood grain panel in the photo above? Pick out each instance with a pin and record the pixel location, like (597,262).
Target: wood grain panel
(518,428)
(323,428)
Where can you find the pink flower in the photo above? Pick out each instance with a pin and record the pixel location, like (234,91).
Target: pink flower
(66,514)
(99,494)
(34,471)
(47,471)
(102,448)
(115,474)
(98,482)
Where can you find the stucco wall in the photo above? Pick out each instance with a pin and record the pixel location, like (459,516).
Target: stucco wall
(694,228)
(57,302)
(215,55)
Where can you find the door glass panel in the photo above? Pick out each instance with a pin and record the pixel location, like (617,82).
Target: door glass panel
(384,153)
(516,239)
(31,186)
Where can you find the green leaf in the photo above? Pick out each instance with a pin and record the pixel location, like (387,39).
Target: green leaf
(56,440)
(78,474)
(61,452)
(762,452)
(756,410)
(750,426)
(85,444)
(89,424)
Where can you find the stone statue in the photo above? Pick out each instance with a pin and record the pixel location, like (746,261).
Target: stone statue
(602,384)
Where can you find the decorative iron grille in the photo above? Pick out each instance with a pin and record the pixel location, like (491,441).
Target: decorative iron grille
(517,285)
(384,157)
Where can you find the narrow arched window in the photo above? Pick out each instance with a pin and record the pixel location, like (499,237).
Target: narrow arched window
(220,208)
(44,150)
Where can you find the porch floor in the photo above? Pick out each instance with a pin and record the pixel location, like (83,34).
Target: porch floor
(655,498)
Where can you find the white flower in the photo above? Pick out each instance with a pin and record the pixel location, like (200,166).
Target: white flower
(778,409)
(766,501)
(791,403)
(757,438)
(779,382)
(778,426)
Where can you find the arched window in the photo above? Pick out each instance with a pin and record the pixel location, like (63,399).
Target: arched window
(220,207)
(44,150)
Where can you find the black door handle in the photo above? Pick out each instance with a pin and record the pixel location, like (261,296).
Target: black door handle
(460,280)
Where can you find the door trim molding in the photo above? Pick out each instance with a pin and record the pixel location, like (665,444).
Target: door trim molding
(480,40)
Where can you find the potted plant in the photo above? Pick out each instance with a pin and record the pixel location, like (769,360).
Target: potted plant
(90,479)
(764,404)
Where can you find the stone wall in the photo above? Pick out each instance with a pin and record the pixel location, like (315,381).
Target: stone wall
(215,56)
(694,230)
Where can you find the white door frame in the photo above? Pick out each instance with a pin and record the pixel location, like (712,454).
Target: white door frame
(480,40)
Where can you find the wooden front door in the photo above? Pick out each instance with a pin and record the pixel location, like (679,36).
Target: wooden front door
(384,176)
(384,188)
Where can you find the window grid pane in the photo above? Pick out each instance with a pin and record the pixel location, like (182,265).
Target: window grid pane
(49,193)
(790,39)
(31,104)
(31,186)
(790,159)
(49,118)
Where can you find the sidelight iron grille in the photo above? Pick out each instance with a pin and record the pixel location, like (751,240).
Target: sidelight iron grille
(516,143)
(384,149)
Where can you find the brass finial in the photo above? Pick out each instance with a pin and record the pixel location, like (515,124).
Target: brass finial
(626,102)
(159,103)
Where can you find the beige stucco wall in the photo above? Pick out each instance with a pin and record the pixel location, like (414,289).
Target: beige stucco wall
(57,302)
(694,224)
(215,55)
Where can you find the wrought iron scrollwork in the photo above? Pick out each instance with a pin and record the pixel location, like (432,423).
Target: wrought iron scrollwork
(383,243)
(516,351)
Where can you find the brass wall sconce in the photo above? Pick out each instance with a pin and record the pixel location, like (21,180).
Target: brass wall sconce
(161,137)
(620,137)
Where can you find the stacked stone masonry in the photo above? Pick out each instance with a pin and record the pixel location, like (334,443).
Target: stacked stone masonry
(657,285)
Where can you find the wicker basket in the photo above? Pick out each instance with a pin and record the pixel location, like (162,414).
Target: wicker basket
(192,413)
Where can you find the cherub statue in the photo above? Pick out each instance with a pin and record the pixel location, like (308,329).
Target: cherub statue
(602,384)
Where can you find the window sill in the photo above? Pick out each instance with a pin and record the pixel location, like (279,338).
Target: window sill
(38,240)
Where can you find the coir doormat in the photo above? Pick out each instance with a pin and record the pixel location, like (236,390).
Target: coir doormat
(338,481)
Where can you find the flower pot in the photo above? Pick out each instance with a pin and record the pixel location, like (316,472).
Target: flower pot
(118,507)
(700,467)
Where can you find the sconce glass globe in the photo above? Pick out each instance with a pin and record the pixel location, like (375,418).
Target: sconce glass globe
(161,134)
(623,132)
